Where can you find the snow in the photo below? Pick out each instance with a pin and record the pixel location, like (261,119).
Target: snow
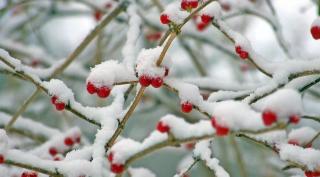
(60,90)
(308,157)
(316,22)
(213,10)
(241,117)
(175,13)
(284,102)
(184,90)
(146,62)
(140,172)
(302,135)
(203,151)
(274,137)
(109,73)
(3,142)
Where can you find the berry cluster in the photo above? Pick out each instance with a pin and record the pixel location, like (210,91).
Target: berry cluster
(29,174)
(58,104)
(102,92)
(156,82)
(115,167)
(221,130)
(242,53)
(269,117)
(69,141)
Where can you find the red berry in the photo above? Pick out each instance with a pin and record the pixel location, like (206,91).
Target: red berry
(162,127)
(295,119)
(33,174)
(184,4)
(110,157)
(1,159)
(91,88)
(157,82)
(117,168)
(315,32)
(238,49)
(54,99)
(145,81)
(244,55)
(293,142)
(56,158)
(186,107)
(103,92)
(194,3)
(221,130)
(269,117)
(68,141)
(97,15)
(206,18)
(53,151)
(201,26)
(164,18)
(60,106)
(312,173)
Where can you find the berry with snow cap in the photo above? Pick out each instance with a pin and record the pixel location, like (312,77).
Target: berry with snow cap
(220,130)
(162,127)
(117,168)
(269,117)
(186,107)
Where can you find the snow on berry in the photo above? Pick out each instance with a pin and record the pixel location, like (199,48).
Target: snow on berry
(173,13)
(104,75)
(315,29)
(284,103)
(301,136)
(210,12)
(140,172)
(304,156)
(242,117)
(61,94)
(162,127)
(203,151)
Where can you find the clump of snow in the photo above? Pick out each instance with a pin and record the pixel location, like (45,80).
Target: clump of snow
(3,141)
(237,115)
(184,165)
(316,22)
(179,126)
(175,13)
(146,62)
(212,10)
(273,137)
(307,157)
(60,90)
(109,72)
(284,102)
(140,172)
(203,151)
(302,135)
(187,92)
(124,149)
